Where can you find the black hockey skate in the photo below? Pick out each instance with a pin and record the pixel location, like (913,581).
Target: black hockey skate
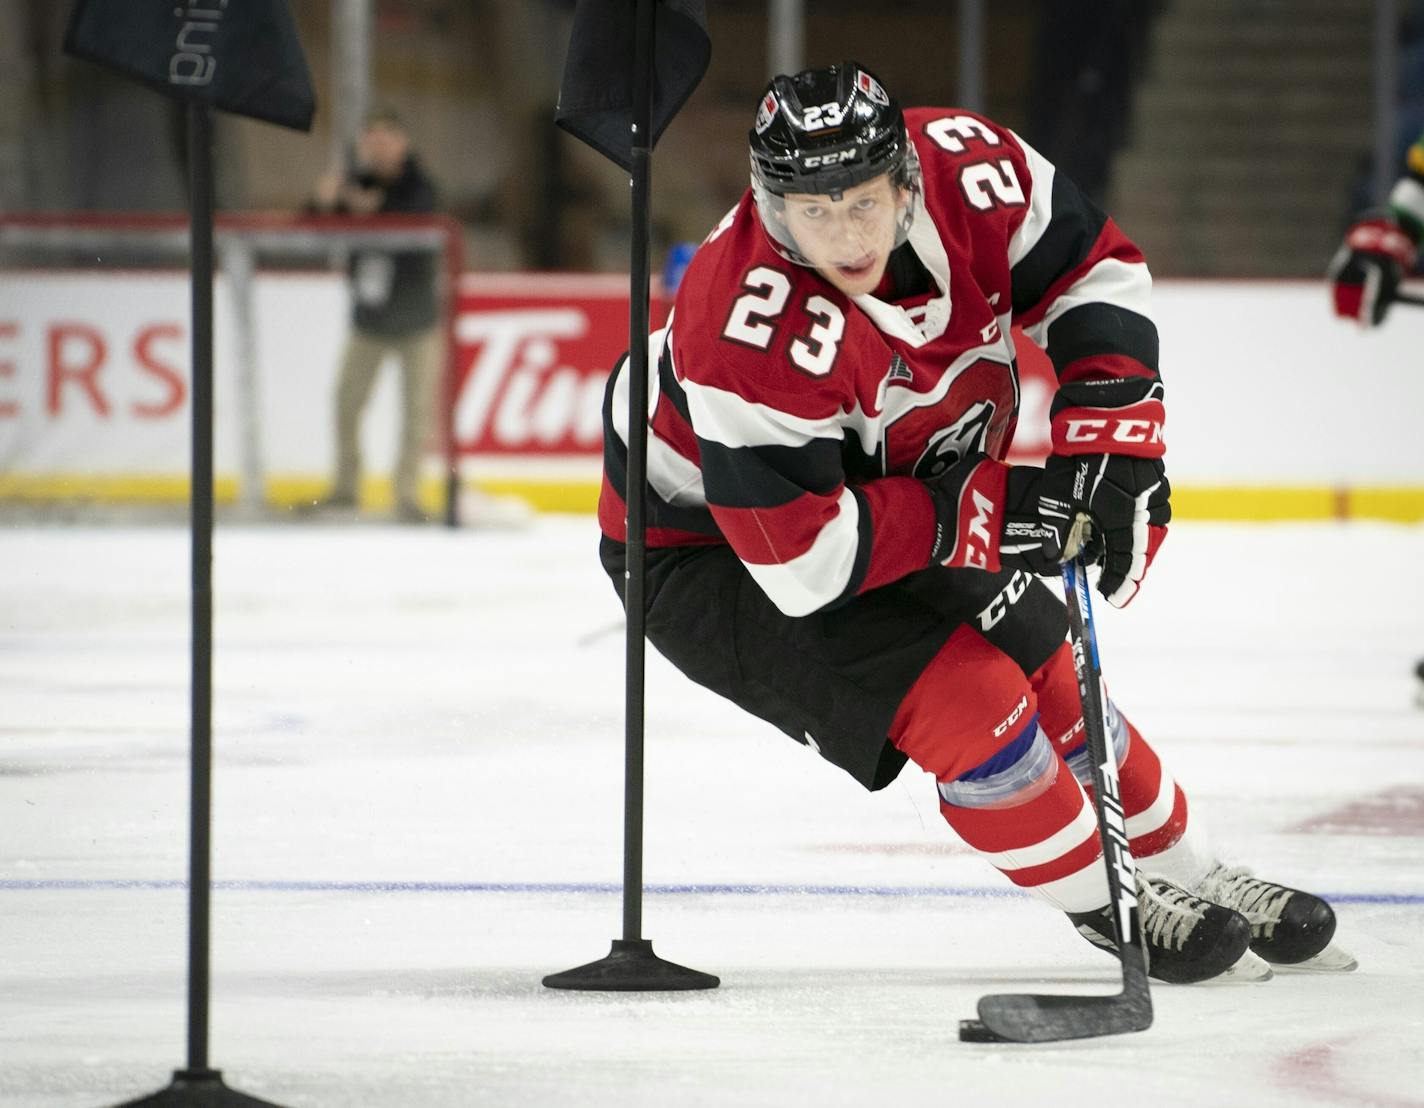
(1288,927)
(1187,939)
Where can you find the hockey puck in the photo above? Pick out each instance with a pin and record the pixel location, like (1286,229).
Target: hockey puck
(973,1031)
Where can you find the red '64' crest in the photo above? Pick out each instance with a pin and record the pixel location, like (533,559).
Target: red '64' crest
(973,415)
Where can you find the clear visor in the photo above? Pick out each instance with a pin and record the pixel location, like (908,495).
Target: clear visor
(851,223)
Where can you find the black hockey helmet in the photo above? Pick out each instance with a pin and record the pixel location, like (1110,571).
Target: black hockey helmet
(823,131)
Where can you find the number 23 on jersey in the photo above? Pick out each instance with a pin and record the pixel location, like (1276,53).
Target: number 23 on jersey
(754,321)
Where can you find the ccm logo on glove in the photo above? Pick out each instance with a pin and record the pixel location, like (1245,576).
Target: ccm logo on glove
(1379,236)
(1135,430)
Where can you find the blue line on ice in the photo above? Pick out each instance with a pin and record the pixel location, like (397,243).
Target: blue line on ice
(15,885)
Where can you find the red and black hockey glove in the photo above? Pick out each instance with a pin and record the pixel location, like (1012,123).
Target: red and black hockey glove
(989,515)
(1107,464)
(1365,273)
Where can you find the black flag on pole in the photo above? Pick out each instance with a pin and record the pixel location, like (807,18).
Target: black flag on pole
(596,96)
(633,64)
(241,57)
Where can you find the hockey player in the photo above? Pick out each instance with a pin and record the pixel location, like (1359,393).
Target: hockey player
(1379,251)
(834,541)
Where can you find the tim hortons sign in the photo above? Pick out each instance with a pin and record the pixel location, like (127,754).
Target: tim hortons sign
(533,351)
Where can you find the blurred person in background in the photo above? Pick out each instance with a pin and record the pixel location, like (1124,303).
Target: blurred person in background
(1380,248)
(1088,57)
(1378,253)
(394,311)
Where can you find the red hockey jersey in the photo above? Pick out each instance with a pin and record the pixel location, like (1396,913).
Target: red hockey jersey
(799,425)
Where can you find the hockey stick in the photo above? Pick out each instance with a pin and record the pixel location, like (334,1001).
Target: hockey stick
(1031,1018)
(1410,292)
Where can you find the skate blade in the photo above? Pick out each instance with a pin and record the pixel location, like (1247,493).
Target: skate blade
(1330,960)
(1249,968)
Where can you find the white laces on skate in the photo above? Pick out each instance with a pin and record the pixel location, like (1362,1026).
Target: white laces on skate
(1169,914)
(1235,887)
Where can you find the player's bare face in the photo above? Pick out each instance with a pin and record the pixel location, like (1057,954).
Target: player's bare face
(848,240)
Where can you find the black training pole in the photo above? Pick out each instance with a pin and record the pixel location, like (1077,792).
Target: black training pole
(631,965)
(200,161)
(635,598)
(247,59)
(198,1084)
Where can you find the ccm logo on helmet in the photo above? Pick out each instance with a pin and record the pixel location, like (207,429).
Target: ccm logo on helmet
(811,161)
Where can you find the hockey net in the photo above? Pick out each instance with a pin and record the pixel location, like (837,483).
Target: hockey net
(94,359)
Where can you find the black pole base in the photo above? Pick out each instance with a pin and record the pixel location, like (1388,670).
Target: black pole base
(631,967)
(197,1089)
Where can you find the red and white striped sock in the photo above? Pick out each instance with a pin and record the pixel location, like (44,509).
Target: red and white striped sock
(1163,837)
(1047,844)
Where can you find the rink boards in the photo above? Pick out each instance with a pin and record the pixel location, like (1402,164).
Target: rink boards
(1276,410)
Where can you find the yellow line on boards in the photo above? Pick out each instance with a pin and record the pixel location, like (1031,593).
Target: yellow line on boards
(1264,503)
(106,489)
(1400,504)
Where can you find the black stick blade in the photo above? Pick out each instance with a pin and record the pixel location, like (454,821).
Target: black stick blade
(631,967)
(974,1031)
(198,1089)
(1030,1018)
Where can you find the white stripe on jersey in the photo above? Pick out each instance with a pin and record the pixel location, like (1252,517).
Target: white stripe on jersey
(673,477)
(656,340)
(723,416)
(720,415)
(1124,284)
(1040,203)
(802,585)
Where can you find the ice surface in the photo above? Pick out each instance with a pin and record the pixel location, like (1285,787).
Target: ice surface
(418,740)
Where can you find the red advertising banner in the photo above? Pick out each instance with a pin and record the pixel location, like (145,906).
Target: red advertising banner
(532,353)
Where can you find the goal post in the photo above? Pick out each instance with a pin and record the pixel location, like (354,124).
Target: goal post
(94,372)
